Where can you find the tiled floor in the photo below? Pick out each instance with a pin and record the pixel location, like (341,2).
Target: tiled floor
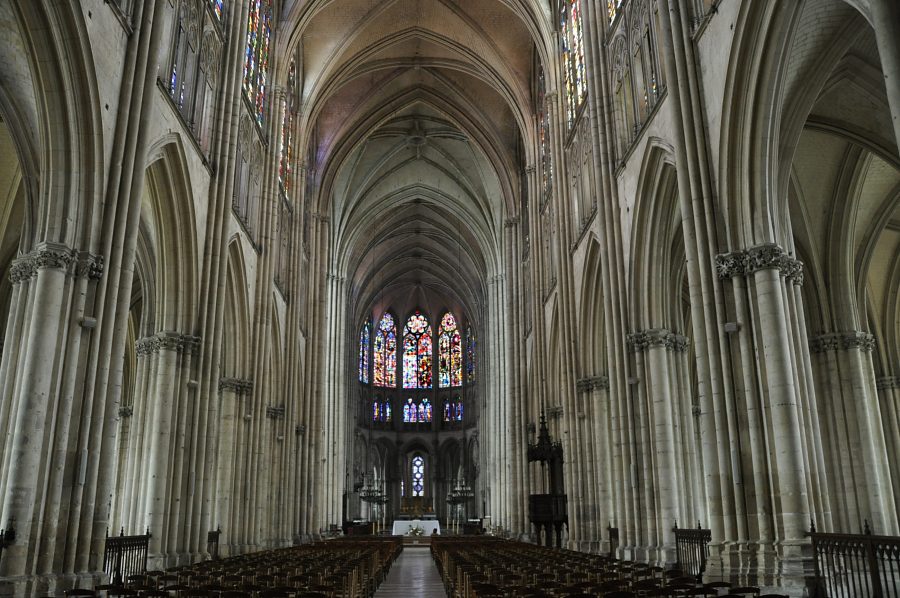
(414,574)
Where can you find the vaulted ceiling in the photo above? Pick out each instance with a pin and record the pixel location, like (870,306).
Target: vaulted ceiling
(420,112)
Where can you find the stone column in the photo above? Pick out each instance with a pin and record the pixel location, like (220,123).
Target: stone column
(889,400)
(867,443)
(780,401)
(34,400)
(231,393)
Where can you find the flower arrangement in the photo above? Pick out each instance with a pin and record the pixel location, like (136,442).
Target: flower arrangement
(416,531)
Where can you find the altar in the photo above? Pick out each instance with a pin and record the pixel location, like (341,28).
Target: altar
(401,528)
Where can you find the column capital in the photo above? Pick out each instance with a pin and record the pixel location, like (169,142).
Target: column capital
(89,266)
(768,256)
(887,383)
(642,340)
(276,412)
(126,411)
(833,341)
(169,341)
(592,383)
(238,386)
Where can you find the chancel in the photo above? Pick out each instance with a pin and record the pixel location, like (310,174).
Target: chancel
(308,298)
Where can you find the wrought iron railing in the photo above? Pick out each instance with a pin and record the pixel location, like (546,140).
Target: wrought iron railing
(692,550)
(124,556)
(856,565)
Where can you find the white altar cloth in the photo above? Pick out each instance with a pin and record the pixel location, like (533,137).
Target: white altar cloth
(401,528)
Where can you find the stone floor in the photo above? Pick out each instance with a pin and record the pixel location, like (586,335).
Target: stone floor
(413,574)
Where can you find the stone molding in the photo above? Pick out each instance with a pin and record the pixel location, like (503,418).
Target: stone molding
(593,382)
(56,256)
(760,257)
(833,341)
(167,341)
(887,383)
(642,340)
(554,412)
(238,386)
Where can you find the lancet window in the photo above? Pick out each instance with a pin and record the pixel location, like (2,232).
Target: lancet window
(418,476)
(365,337)
(256,56)
(417,352)
(571,29)
(453,410)
(450,344)
(385,353)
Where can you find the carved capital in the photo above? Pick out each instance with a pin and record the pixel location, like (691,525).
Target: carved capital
(656,337)
(180,343)
(147,345)
(554,412)
(53,256)
(764,257)
(126,411)
(238,386)
(275,412)
(792,270)
(511,222)
(887,383)
(857,340)
(592,383)
(23,269)
(832,341)
(729,265)
(89,266)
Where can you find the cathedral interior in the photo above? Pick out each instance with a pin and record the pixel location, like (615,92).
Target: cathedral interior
(600,278)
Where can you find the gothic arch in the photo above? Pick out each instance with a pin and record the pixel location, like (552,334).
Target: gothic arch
(170,216)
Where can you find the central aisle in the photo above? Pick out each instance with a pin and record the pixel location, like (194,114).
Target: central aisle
(413,574)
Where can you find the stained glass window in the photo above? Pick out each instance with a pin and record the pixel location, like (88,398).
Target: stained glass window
(425,411)
(256,59)
(385,353)
(410,412)
(286,161)
(572,52)
(381,411)
(218,7)
(453,410)
(417,352)
(470,354)
(418,476)
(365,337)
(450,346)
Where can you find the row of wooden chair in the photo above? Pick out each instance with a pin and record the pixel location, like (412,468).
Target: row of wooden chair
(345,568)
(491,568)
